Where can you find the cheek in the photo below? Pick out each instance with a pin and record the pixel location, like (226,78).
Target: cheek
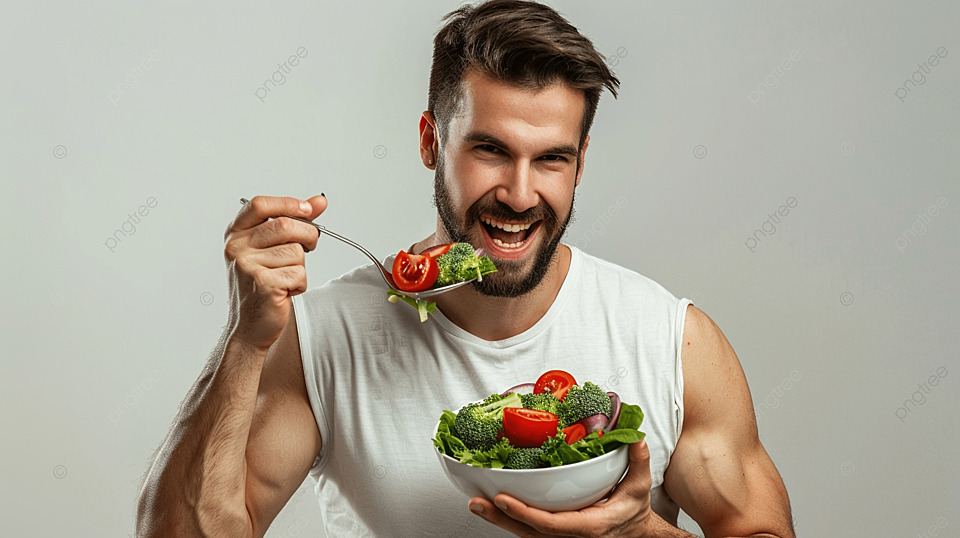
(468,181)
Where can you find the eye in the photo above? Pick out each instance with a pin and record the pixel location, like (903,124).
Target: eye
(554,158)
(488,148)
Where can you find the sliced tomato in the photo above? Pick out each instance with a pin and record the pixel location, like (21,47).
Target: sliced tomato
(414,272)
(556,382)
(574,433)
(437,251)
(528,428)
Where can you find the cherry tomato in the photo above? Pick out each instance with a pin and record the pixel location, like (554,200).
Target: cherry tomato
(414,272)
(437,251)
(574,433)
(556,382)
(528,428)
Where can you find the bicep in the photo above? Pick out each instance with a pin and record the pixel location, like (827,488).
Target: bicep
(720,473)
(284,439)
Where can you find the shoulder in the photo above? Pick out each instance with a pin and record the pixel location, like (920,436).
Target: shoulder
(711,374)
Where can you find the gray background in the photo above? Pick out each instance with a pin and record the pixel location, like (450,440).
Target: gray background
(836,316)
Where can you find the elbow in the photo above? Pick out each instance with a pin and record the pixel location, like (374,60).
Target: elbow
(157,517)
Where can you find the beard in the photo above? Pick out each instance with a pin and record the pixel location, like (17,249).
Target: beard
(510,280)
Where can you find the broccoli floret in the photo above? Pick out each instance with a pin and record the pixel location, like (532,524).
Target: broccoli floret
(461,263)
(525,458)
(586,400)
(546,402)
(478,424)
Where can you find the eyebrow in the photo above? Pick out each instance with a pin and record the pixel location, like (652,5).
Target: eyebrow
(564,149)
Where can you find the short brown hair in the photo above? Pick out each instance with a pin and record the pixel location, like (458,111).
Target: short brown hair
(519,42)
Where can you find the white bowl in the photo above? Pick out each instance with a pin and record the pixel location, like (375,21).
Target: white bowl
(555,489)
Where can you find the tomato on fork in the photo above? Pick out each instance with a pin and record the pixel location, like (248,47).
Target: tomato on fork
(414,272)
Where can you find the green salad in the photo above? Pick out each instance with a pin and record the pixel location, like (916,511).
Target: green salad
(552,422)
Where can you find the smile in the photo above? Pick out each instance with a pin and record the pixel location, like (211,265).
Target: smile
(508,236)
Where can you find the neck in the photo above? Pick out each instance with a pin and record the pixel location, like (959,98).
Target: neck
(497,318)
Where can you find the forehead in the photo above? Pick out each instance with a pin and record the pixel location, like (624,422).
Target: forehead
(552,114)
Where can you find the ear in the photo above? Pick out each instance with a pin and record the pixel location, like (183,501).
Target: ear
(429,140)
(583,159)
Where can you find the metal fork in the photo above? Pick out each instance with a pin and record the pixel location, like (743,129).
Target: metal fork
(387,276)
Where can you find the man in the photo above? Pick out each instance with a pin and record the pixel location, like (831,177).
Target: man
(341,385)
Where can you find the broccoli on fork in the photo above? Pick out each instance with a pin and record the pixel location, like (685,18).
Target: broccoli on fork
(478,424)
(462,263)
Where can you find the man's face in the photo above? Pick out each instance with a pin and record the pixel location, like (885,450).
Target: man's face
(506,174)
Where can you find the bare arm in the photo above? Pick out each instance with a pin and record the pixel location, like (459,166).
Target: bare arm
(719,473)
(220,471)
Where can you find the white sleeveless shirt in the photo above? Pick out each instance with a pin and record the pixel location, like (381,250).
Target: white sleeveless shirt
(378,380)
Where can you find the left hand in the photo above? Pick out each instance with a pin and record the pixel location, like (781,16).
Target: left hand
(626,512)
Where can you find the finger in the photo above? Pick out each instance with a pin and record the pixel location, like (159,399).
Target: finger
(292,279)
(318,205)
(282,230)
(277,256)
(261,208)
(637,482)
(488,511)
(586,522)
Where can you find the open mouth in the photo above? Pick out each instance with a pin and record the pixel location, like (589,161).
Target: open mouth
(508,236)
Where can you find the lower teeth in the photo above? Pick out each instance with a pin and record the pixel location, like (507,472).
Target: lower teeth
(501,244)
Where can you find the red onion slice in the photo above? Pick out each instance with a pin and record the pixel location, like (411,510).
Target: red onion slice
(614,411)
(523,388)
(594,422)
(479,252)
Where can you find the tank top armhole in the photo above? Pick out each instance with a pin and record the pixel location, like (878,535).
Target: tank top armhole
(678,387)
(310,378)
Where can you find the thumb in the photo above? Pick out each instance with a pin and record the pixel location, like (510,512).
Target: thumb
(318,205)
(637,481)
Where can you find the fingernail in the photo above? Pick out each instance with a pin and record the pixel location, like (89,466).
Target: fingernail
(476,508)
(304,205)
(501,505)
(324,195)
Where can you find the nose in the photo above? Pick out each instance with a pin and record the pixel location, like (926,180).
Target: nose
(518,190)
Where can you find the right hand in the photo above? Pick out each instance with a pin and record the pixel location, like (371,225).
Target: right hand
(265,264)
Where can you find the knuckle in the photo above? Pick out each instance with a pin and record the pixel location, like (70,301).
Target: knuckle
(231,250)
(281,226)
(244,265)
(260,277)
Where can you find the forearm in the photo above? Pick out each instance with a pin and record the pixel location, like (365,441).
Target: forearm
(196,483)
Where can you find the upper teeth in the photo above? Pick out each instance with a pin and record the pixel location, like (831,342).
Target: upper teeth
(506,227)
